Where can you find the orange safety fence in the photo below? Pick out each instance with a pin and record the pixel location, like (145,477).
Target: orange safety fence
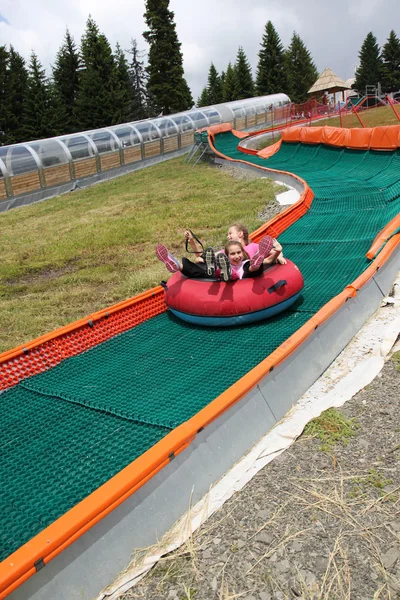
(64,531)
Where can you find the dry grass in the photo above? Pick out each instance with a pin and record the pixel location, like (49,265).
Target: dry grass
(371,117)
(326,509)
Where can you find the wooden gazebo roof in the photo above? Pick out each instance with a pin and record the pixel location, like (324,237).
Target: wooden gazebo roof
(328,81)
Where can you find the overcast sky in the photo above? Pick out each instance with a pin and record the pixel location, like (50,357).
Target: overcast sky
(209,30)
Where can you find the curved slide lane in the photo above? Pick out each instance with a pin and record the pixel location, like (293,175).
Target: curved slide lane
(92,411)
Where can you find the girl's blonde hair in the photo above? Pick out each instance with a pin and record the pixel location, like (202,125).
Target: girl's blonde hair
(243,229)
(233,243)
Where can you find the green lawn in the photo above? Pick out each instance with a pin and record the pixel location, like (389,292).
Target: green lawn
(382,115)
(69,256)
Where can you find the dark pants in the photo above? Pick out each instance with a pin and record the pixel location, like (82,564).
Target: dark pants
(198,270)
(194,270)
(247,273)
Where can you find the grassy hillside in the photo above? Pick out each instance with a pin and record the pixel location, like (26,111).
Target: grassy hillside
(64,258)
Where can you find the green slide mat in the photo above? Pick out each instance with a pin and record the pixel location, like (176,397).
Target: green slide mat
(67,431)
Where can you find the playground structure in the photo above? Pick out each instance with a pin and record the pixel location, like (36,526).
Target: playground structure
(315,109)
(102,446)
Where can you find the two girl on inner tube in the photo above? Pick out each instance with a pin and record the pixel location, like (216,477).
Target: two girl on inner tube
(240,258)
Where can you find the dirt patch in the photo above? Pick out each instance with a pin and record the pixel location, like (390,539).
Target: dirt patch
(313,525)
(39,276)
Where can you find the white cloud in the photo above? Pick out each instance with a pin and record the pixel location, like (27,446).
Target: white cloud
(209,30)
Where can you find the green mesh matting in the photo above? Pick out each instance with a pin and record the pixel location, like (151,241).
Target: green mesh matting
(67,431)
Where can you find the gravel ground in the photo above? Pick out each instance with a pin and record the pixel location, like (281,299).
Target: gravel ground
(321,522)
(314,524)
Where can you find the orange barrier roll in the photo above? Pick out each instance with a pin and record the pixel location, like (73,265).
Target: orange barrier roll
(291,134)
(376,138)
(359,138)
(269,150)
(240,134)
(334,136)
(385,138)
(215,129)
(383,236)
(310,135)
(378,262)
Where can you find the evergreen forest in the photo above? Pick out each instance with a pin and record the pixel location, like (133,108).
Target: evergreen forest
(93,85)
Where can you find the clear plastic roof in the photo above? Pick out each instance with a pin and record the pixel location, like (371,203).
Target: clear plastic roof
(127,135)
(32,156)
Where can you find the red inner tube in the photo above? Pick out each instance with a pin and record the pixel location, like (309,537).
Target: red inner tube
(219,299)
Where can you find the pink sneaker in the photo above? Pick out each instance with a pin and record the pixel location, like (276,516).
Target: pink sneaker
(264,248)
(168,259)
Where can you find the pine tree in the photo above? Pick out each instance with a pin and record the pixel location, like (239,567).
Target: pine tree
(229,87)
(204,99)
(17,89)
(167,87)
(214,86)
(4,117)
(391,63)
(369,71)
(300,70)
(66,82)
(57,113)
(139,106)
(123,89)
(271,72)
(37,116)
(96,94)
(244,86)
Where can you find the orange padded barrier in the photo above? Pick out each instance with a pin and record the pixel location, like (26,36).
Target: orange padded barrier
(359,138)
(223,128)
(49,350)
(374,138)
(269,150)
(292,134)
(385,138)
(334,136)
(240,134)
(310,135)
(383,236)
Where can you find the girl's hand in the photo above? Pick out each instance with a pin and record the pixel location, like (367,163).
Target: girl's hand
(281,260)
(188,235)
(276,246)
